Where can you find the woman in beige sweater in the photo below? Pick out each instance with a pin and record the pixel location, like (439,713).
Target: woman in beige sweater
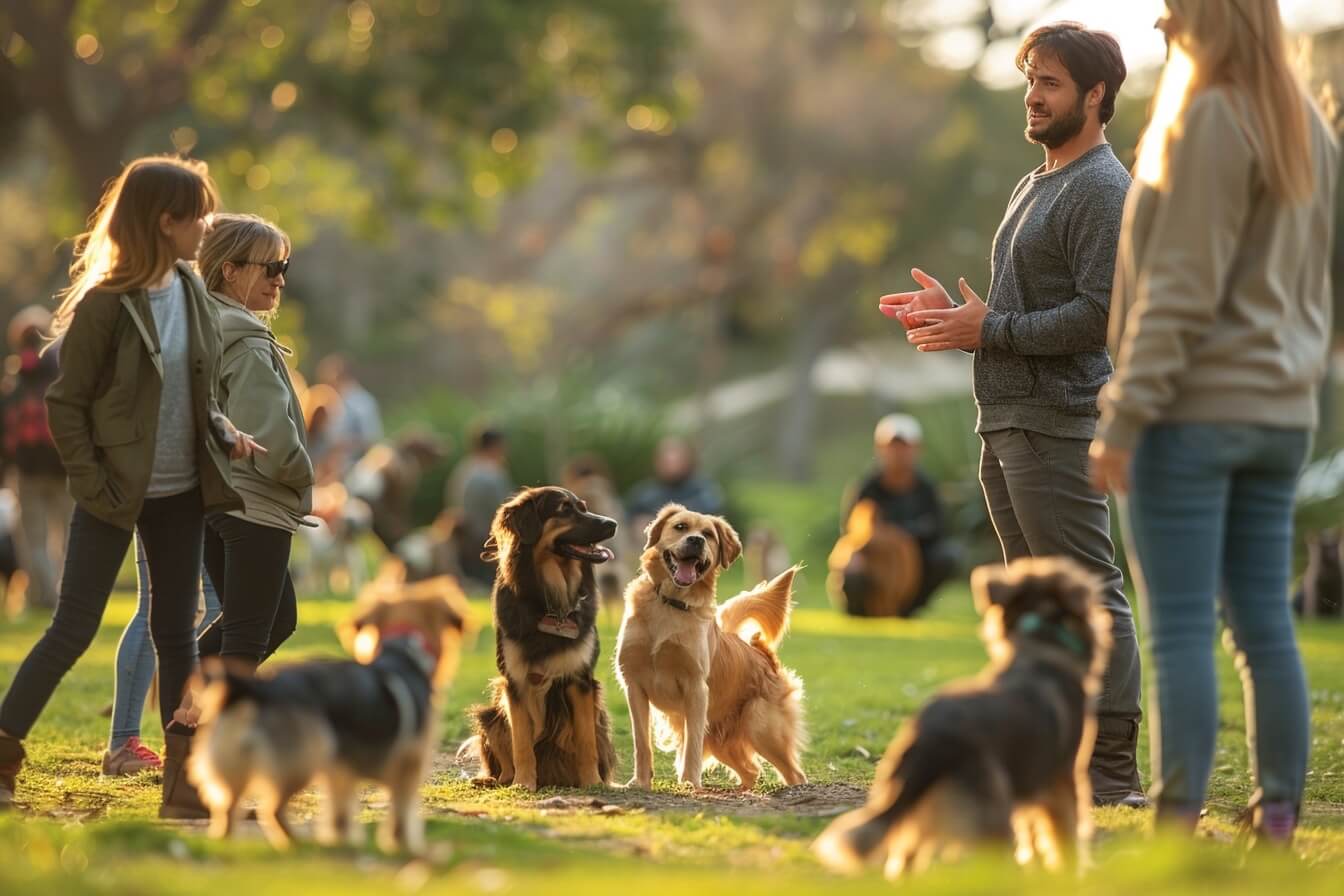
(1219,329)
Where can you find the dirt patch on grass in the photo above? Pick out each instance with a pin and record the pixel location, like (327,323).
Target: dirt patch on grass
(802,799)
(817,800)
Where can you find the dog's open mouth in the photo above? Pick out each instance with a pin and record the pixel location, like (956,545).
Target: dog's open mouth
(588,553)
(686,571)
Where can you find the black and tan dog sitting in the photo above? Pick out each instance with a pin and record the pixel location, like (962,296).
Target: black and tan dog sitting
(1002,757)
(335,721)
(547,724)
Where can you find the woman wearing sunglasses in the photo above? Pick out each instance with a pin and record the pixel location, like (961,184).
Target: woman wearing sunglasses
(243,262)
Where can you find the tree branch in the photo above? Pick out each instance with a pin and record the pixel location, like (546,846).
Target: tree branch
(169,74)
(46,82)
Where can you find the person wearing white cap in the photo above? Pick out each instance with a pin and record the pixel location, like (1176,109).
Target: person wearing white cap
(906,498)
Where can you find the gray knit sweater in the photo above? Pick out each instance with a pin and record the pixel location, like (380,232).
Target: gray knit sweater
(1043,357)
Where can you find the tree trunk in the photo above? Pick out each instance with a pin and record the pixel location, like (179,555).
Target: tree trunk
(827,311)
(95,159)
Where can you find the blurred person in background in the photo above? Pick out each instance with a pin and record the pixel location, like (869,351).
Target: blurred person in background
(675,481)
(479,484)
(44,503)
(905,497)
(358,425)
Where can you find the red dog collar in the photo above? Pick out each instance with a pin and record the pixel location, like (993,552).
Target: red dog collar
(404,630)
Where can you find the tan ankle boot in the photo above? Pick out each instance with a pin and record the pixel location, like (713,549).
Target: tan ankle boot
(180,799)
(11,760)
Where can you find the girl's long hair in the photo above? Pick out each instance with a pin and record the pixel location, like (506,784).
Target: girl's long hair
(124,248)
(1238,44)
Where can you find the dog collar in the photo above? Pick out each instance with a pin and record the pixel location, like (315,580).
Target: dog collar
(412,635)
(673,602)
(1033,622)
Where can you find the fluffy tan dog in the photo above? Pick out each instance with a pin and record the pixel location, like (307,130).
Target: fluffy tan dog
(711,679)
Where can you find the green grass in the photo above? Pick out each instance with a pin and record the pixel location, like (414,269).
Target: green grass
(83,834)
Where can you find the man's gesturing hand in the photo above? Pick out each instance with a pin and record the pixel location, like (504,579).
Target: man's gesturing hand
(930,297)
(940,330)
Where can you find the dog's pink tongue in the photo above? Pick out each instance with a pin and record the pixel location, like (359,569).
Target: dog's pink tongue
(685,573)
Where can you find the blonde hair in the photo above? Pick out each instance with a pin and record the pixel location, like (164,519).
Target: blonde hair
(1238,44)
(124,248)
(239,238)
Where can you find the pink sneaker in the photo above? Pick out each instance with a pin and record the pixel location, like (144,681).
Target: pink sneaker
(130,758)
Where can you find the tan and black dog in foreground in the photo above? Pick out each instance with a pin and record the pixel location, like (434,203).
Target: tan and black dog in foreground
(708,675)
(336,721)
(1001,757)
(546,724)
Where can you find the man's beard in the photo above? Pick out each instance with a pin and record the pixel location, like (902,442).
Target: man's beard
(1061,130)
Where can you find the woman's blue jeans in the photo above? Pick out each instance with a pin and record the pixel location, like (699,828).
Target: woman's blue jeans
(1210,516)
(135,654)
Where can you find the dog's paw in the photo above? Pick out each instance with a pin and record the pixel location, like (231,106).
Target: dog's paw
(637,783)
(525,782)
(484,781)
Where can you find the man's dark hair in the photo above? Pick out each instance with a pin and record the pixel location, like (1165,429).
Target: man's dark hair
(486,437)
(1091,57)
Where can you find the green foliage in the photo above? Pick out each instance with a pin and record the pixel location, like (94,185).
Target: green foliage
(297,103)
(87,834)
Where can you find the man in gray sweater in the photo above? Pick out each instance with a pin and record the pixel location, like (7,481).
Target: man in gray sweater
(1040,352)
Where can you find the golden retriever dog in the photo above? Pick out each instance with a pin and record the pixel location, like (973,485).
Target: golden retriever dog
(1001,758)
(335,721)
(546,724)
(709,674)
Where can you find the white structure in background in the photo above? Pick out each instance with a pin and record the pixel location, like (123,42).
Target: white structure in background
(890,371)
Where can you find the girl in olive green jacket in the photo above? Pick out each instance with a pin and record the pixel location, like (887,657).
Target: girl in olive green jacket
(144,445)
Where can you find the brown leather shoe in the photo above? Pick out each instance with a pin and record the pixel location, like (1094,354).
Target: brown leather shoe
(11,761)
(180,799)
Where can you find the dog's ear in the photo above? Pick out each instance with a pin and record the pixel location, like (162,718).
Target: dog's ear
(451,612)
(730,545)
(654,532)
(360,633)
(993,585)
(209,687)
(518,518)
(862,519)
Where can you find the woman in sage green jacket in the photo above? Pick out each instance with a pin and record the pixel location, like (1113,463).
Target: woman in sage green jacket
(242,261)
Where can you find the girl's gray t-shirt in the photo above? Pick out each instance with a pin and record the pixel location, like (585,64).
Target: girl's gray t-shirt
(175,445)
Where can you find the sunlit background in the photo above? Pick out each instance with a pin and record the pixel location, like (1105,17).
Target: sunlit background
(961,46)
(590,221)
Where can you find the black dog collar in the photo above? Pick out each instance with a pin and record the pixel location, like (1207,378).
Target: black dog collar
(674,602)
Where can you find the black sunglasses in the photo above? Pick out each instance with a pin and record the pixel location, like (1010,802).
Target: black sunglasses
(273,268)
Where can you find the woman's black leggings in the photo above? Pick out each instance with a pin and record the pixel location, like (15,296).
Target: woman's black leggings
(249,566)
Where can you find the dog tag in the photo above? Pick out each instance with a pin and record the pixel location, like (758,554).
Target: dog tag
(562,626)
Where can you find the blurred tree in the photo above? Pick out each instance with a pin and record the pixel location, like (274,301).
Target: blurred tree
(273,88)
